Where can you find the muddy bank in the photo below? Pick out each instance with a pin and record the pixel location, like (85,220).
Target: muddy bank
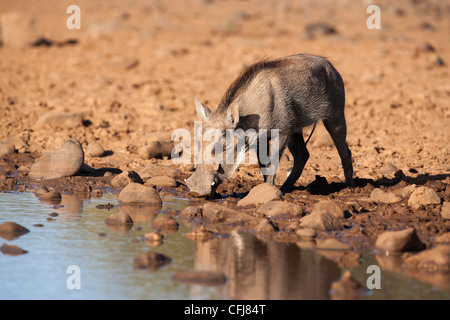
(355,216)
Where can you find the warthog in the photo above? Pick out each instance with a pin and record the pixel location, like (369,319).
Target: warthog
(287,95)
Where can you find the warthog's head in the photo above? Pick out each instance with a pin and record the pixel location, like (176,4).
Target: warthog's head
(213,168)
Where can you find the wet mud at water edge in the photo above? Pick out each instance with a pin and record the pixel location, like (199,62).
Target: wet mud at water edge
(73,232)
(89,113)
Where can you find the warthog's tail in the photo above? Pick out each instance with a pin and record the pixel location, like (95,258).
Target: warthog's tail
(311,133)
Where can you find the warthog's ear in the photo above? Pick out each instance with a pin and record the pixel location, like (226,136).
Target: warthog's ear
(203,111)
(233,112)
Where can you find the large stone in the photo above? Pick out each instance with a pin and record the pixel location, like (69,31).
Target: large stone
(95,149)
(423,196)
(275,208)
(408,190)
(65,161)
(379,195)
(261,194)
(332,244)
(135,193)
(399,241)
(161,182)
(125,178)
(118,218)
(326,215)
(306,233)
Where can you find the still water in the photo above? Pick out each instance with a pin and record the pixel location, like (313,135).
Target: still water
(255,269)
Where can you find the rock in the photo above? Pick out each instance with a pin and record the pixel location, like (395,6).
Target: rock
(445,210)
(18,29)
(261,194)
(346,288)
(165,223)
(332,244)
(162,181)
(125,178)
(10,230)
(156,150)
(63,162)
(95,150)
(275,208)
(12,250)
(330,206)
(423,196)
(407,191)
(399,241)
(154,170)
(200,277)
(326,215)
(306,233)
(435,259)
(118,218)
(379,195)
(151,260)
(389,170)
(135,193)
(215,212)
(6,149)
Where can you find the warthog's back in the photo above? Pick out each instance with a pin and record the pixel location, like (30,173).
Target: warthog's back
(288,93)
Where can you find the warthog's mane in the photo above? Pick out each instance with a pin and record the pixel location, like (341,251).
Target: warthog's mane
(245,78)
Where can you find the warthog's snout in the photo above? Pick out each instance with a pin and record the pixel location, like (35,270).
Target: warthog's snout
(202,182)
